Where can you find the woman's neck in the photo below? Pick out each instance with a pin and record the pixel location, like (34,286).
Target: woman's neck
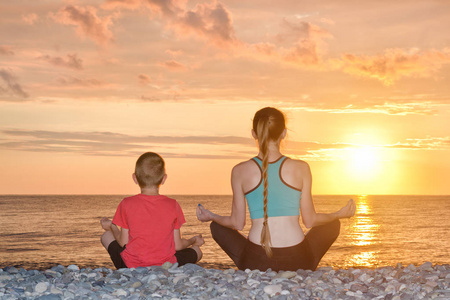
(273,152)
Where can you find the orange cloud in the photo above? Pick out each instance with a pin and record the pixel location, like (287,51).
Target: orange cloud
(309,48)
(395,64)
(173,65)
(80,82)
(30,18)
(144,79)
(87,22)
(212,21)
(164,7)
(428,143)
(12,87)
(72,61)
(304,45)
(6,50)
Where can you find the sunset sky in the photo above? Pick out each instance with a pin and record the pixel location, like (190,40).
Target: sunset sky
(86,86)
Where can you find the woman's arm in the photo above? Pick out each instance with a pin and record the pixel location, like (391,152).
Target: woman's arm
(237,218)
(309,215)
(182,243)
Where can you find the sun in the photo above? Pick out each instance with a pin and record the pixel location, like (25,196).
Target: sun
(364,161)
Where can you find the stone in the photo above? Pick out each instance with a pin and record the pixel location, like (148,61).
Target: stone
(337,281)
(427,266)
(229,271)
(41,287)
(359,287)
(273,289)
(12,270)
(287,274)
(49,297)
(120,293)
(73,268)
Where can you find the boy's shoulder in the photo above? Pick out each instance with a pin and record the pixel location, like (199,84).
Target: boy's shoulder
(143,197)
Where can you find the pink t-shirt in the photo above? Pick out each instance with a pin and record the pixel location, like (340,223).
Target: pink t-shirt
(151,221)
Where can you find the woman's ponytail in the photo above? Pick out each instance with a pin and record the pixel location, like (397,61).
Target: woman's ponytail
(263,140)
(268,124)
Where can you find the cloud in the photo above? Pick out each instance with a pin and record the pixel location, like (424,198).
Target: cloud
(6,50)
(210,20)
(174,53)
(114,144)
(128,4)
(168,8)
(426,107)
(71,61)
(30,19)
(87,21)
(395,64)
(299,44)
(173,65)
(144,79)
(429,143)
(11,85)
(217,147)
(309,48)
(79,82)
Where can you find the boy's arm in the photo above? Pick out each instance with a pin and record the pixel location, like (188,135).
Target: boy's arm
(181,243)
(120,234)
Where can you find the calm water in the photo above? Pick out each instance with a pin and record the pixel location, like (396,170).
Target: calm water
(41,231)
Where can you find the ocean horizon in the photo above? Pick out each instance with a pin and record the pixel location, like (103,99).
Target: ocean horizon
(43,230)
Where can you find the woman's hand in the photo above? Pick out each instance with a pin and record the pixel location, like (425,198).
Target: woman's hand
(203,214)
(347,211)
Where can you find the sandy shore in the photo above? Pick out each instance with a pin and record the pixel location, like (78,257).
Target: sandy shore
(427,281)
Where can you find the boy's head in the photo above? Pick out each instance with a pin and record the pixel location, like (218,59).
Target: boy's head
(150,170)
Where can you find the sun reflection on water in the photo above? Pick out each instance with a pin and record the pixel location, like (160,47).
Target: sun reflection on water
(364,234)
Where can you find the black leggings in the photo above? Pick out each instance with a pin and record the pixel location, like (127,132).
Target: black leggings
(306,255)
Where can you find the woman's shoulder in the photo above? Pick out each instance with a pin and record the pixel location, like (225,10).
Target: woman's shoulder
(245,166)
(297,162)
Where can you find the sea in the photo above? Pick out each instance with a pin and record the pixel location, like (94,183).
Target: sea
(41,231)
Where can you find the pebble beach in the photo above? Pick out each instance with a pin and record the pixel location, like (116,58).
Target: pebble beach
(426,281)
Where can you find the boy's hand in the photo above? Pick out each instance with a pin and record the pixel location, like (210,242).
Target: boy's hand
(198,240)
(106,224)
(203,214)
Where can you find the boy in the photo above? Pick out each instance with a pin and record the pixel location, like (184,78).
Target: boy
(145,230)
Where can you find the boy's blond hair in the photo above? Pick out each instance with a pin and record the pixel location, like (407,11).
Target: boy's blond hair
(150,170)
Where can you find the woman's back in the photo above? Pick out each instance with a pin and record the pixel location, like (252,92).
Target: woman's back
(276,195)
(284,223)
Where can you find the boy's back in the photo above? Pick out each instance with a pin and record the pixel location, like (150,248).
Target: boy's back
(145,230)
(151,220)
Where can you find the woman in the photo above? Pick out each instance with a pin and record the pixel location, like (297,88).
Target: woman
(277,189)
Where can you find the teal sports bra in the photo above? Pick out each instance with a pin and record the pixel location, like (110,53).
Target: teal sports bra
(282,199)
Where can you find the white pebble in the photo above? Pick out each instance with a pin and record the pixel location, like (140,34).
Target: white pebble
(337,281)
(40,287)
(166,265)
(253,283)
(73,268)
(288,274)
(178,278)
(55,290)
(120,292)
(272,289)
